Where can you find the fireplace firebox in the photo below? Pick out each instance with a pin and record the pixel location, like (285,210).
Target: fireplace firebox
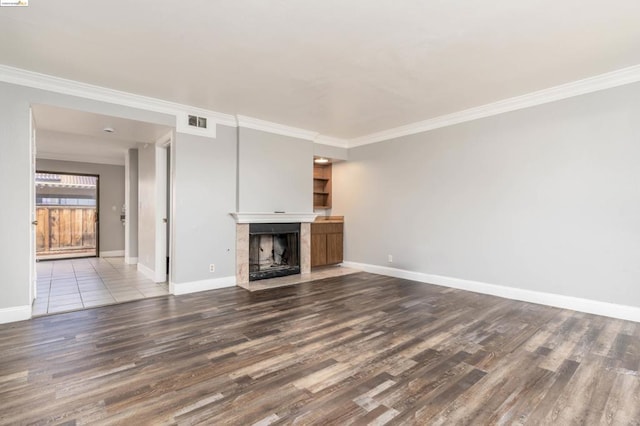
(274,250)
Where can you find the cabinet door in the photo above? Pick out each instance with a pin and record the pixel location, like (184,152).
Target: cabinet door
(318,249)
(334,248)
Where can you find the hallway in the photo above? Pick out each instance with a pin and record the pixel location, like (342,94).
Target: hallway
(74,284)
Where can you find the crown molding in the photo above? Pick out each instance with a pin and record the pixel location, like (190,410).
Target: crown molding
(556,93)
(83,90)
(295,132)
(74,88)
(328,140)
(63,86)
(279,129)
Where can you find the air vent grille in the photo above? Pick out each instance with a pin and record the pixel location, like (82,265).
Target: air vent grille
(195,121)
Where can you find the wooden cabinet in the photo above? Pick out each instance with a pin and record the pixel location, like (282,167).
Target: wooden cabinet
(318,249)
(326,243)
(334,248)
(322,186)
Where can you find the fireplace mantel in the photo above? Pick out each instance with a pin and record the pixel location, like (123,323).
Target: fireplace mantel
(274,217)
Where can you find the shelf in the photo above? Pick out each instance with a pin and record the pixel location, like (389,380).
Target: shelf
(322,186)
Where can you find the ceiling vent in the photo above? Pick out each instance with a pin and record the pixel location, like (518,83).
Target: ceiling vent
(195,121)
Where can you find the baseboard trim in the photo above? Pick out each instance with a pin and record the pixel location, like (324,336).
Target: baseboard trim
(130,260)
(147,272)
(202,285)
(112,253)
(15,313)
(625,312)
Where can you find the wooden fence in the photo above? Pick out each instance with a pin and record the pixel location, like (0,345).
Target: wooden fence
(65,229)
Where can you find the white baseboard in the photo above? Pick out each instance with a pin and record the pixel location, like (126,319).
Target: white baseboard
(147,272)
(625,312)
(155,276)
(130,260)
(202,285)
(15,313)
(112,253)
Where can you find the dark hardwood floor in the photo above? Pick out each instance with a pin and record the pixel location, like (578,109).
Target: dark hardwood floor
(361,348)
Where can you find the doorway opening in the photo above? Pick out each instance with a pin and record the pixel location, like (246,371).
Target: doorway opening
(66,215)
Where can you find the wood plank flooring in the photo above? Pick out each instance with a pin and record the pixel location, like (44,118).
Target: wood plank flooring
(361,349)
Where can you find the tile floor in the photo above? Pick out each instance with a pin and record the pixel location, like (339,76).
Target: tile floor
(72,284)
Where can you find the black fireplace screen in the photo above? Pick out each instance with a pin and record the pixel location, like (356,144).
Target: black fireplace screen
(274,250)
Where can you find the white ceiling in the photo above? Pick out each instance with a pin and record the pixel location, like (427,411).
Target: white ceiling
(344,68)
(67,134)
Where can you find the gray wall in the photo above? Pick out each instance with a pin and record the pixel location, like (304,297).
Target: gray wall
(111,195)
(14,190)
(15,161)
(275,172)
(132,203)
(147,206)
(204,184)
(545,199)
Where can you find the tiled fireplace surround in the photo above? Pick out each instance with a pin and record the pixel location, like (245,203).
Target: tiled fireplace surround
(243,220)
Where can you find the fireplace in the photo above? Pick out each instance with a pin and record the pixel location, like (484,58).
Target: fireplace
(301,223)
(274,250)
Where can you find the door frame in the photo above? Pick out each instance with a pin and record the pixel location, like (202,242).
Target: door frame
(97,221)
(33,273)
(164,230)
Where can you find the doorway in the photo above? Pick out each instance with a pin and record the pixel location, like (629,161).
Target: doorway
(66,215)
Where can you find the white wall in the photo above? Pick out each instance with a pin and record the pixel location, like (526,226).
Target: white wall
(147,207)
(275,173)
(544,199)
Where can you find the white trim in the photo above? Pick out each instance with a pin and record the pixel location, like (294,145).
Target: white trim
(330,141)
(33,270)
(81,158)
(279,129)
(273,217)
(160,196)
(161,276)
(171,208)
(131,260)
(15,313)
(147,272)
(112,253)
(625,312)
(151,274)
(75,88)
(202,285)
(563,91)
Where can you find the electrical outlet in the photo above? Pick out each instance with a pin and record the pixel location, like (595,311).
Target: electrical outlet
(390,258)
(212,267)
